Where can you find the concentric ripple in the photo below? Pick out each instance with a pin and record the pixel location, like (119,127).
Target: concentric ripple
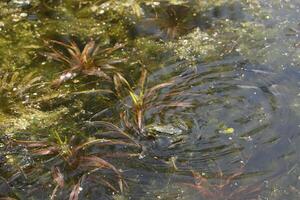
(241,120)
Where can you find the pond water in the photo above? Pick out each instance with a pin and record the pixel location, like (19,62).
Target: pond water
(217,116)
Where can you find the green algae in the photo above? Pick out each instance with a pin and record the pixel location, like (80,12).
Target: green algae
(24,30)
(30,119)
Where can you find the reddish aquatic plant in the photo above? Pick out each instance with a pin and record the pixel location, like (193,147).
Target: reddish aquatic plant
(91,61)
(77,157)
(225,189)
(143,99)
(173,20)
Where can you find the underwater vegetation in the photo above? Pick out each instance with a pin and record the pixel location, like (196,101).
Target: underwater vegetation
(223,189)
(86,86)
(144,99)
(15,89)
(228,186)
(173,21)
(84,157)
(86,62)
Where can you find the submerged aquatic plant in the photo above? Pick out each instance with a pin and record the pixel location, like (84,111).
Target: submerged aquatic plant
(226,188)
(196,46)
(174,20)
(135,7)
(293,31)
(83,162)
(15,89)
(144,99)
(91,61)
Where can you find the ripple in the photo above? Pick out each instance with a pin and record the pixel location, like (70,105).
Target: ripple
(251,99)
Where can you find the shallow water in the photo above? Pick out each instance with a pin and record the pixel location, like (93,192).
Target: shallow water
(243,122)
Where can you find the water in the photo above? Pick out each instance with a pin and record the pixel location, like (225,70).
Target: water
(237,139)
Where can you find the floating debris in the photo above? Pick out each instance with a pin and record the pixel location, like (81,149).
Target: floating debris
(227,131)
(166,129)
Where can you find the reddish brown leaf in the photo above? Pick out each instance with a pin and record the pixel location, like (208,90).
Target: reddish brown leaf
(45,151)
(31,143)
(58,177)
(75,192)
(94,161)
(114,128)
(140,115)
(102,142)
(203,191)
(121,155)
(109,185)
(157,87)
(143,79)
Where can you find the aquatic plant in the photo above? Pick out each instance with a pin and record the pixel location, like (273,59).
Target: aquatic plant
(225,188)
(91,61)
(76,158)
(70,162)
(112,129)
(15,89)
(19,108)
(144,99)
(32,119)
(293,31)
(84,19)
(225,37)
(135,7)
(150,51)
(18,38)
(174,20)
(197,45)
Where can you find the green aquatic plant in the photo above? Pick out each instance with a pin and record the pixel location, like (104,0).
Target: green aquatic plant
(134,8)
(144,99)
(225,37)
(15,89)
(251,6)
(19,40)
(149,51)
(31,119)
(198,45)
(91,61)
